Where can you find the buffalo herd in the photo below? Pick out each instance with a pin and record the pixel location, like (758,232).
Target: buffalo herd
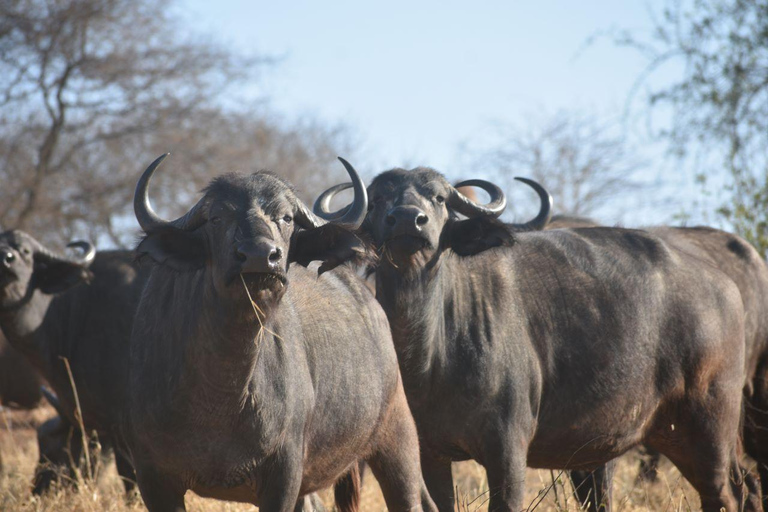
(257,350)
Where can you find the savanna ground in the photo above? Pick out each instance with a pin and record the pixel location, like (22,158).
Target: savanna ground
(18,449)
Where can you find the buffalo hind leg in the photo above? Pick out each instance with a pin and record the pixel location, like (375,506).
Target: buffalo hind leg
(594,487)
(728,487)
(439,481)
(703,446)
(756,426)
(395,461)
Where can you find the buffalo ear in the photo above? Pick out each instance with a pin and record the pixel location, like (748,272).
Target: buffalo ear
(330,243)
(54,277)
(473,236)
(175,248)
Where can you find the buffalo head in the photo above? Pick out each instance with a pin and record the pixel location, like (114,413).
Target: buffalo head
(26,265)
(249,225)
(414,215)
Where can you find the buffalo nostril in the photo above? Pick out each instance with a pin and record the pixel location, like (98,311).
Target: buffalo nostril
(391,220)
(421,219)
(275,254)
(8,258)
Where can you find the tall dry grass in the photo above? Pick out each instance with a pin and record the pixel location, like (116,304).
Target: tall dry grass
(545,490)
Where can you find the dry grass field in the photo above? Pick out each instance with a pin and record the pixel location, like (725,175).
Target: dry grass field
(19,453)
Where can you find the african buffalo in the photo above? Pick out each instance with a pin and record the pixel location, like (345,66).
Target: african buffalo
(57,310)
(737,259)
(555,349)
(252,379)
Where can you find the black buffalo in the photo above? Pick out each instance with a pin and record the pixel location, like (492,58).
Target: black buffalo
(254,379)
(737,259)
(556,349)
(54,308)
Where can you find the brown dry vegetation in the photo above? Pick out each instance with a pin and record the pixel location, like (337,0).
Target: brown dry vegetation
(19,454)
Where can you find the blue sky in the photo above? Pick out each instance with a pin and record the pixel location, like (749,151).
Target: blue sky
(418,78)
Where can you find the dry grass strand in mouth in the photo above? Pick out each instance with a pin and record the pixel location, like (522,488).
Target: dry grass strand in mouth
(259,314)
(385,252)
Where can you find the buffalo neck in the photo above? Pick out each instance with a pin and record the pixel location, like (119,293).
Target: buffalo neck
(204,343)
(418,305)
(23,326)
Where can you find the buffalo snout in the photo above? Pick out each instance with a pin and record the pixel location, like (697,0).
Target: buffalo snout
(260,256)
(406,220)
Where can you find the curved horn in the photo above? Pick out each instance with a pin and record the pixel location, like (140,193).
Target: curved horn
(148,219)
(306,218)
(545,211)
(323,204)
(44,254)
(466,206)
(89,251)
(52,399)
(353,214)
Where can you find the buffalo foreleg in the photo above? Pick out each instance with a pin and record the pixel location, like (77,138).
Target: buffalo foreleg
(395,461)
(159,494)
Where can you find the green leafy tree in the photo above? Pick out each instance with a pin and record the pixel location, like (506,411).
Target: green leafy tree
(719,105)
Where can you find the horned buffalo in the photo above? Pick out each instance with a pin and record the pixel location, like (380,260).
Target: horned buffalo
(19,382)
(57,310)
(253,379)
(556,349)
(737,259)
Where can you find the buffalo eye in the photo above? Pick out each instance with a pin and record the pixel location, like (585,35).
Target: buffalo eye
(440,199)
(288,219)
(25,251)
(215,220)
(374,201)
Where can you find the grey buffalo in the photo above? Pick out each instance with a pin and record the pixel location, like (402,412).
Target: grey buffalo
(555,349)
(56,310)
(737,259)
(254,378)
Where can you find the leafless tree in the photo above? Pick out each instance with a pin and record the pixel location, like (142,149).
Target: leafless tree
(209,142)
(80,78)
(582,160)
